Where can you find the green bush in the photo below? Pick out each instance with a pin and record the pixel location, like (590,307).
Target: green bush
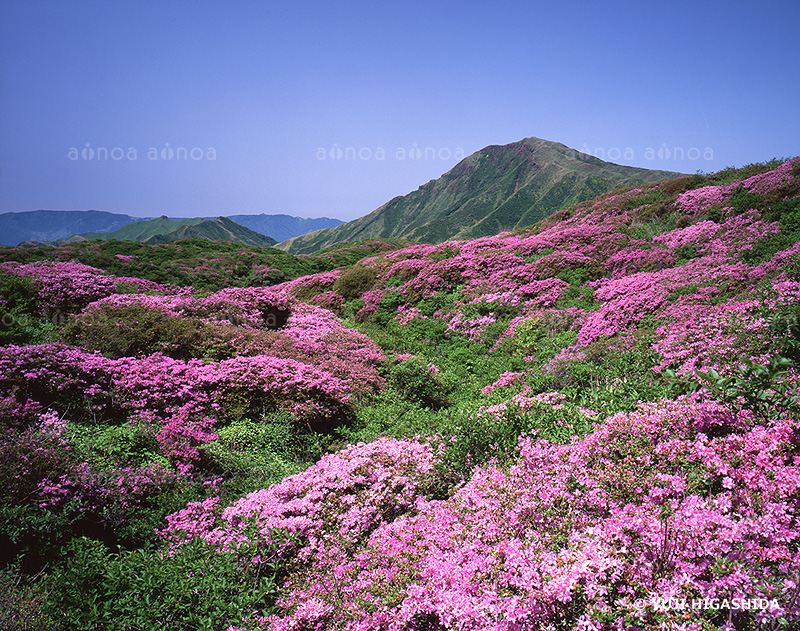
(22,602)
(577,276)
(650,196)
(446,252)
(251,455)
(193,588)
(391,415)
(33,537)
(685,253)
(387,307)
(742,200)
(763,389)
(354,282)
(475,437)
(581,297)
(766,247)
(21,321)
(438,302)
(130,330)
(731,174)
(543,336)
(417,382)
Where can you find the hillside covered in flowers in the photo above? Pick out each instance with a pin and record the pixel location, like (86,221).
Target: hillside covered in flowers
(588,424)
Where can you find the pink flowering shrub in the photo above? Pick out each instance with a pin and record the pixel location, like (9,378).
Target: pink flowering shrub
(506,379)
(68,287)
(699,336)
(238,321)
(231,388)
(699,200)
(330,507)
(116,495)
(597,533)
(182,399)
(32,459)
(57,375)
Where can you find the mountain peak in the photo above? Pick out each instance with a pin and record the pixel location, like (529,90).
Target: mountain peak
(495,189)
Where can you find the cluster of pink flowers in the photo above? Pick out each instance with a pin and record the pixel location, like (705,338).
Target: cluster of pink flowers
(471,328)
(407,313)
(312,334)
(545,292)
(702,336)
(763,183)
(69,286)
(325,509)
(503,381)
(700,200)
(525,402)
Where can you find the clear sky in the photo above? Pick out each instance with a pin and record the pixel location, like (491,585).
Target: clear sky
(195,108)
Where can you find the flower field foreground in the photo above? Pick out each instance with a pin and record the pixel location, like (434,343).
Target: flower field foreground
(588,424)
(679,500)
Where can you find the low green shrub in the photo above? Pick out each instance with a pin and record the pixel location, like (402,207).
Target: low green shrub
(766,390)
(129,330)
(354,282)
(21,320)
(417,381)
(194,588)
(766,247)
(251,454)
(22,602)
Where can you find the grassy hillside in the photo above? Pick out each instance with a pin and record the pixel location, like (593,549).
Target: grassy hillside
(496,189)
(219,229)
(163,229)
(588,424)
(198,263)
(142,230)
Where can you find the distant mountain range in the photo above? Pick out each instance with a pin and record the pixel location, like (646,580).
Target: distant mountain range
(51,225)
(495,189)
(46,226)
(283,227)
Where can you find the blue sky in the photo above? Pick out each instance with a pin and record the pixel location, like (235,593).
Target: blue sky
(195,108)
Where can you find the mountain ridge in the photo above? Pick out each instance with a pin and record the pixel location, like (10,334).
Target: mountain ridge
(43,227)
(221,228)
(496,189)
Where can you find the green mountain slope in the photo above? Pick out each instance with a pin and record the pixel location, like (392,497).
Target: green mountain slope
(496,189)
(218,229)
(142,230)
(163,229)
